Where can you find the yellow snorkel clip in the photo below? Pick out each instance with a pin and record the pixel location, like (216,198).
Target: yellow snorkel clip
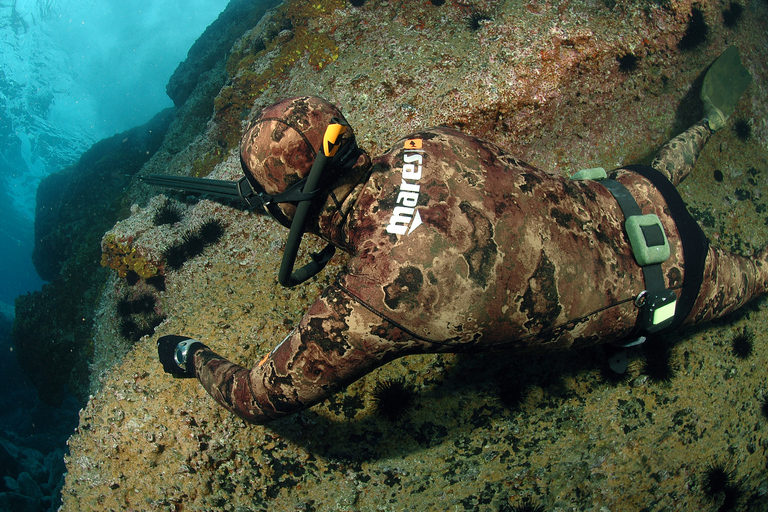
(331,140)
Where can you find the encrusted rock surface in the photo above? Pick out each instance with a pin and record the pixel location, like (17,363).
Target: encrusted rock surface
(541,79)
(83,195)
(213,46)
(52,327)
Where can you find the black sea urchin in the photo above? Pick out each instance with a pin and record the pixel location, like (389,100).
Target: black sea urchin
(717,479)
(169,213)
(742,343)
(743,129)
(731,498)
(696,33)
(393,398)
(527,504)
(211,231)
(131,278)
(476,20)
(144,303)
(658,359)
(124,307)
(175,256)
(157,282)
(732,15)
(129,330)
(628,62)
(193,243)
(512,393)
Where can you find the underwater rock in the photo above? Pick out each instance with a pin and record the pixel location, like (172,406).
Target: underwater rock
(31,481)
(18,502)
(52,328)
(214,45)
(9,484)
(83,198)
(51,341)
(28,486)
(8,464)
(541,81)
(33,465)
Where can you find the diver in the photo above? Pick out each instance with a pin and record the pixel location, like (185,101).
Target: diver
(456,246)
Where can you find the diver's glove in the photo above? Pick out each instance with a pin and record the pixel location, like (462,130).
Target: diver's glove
(175,352)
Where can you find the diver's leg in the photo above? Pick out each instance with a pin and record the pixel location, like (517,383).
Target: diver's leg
(723,85)
(678,156)
(729,282)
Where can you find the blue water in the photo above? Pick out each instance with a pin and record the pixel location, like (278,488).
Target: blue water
(71,73)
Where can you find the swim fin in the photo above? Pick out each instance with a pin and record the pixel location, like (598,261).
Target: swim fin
(724,83)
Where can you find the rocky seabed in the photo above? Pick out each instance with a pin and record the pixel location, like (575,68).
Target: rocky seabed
(31,481)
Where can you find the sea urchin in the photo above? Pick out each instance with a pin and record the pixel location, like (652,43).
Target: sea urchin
(742,343)
(743,129)
(512,394)
(696,33)
(211,231)
(732,15)
(129,330)
(658,359)
(144,303)
(124,307)
(528,505)
(476,21)
(175,256)
(717,479)
(131,278)
(193,244)
(628,62)
(169,213)
(393,398)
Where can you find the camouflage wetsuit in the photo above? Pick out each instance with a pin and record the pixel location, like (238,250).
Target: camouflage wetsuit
(456,246)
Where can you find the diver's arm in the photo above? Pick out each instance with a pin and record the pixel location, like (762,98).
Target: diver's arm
(337,342)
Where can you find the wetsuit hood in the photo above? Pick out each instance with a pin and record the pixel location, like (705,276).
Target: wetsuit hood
(300,158)
(281,145)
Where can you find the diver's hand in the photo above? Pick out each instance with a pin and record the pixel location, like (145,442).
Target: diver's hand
(175,353)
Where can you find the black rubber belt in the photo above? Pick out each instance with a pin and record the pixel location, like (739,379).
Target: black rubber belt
(692,238)
(653,275)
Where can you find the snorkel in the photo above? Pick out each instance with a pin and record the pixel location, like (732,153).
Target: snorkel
(335,154)
(325,158)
